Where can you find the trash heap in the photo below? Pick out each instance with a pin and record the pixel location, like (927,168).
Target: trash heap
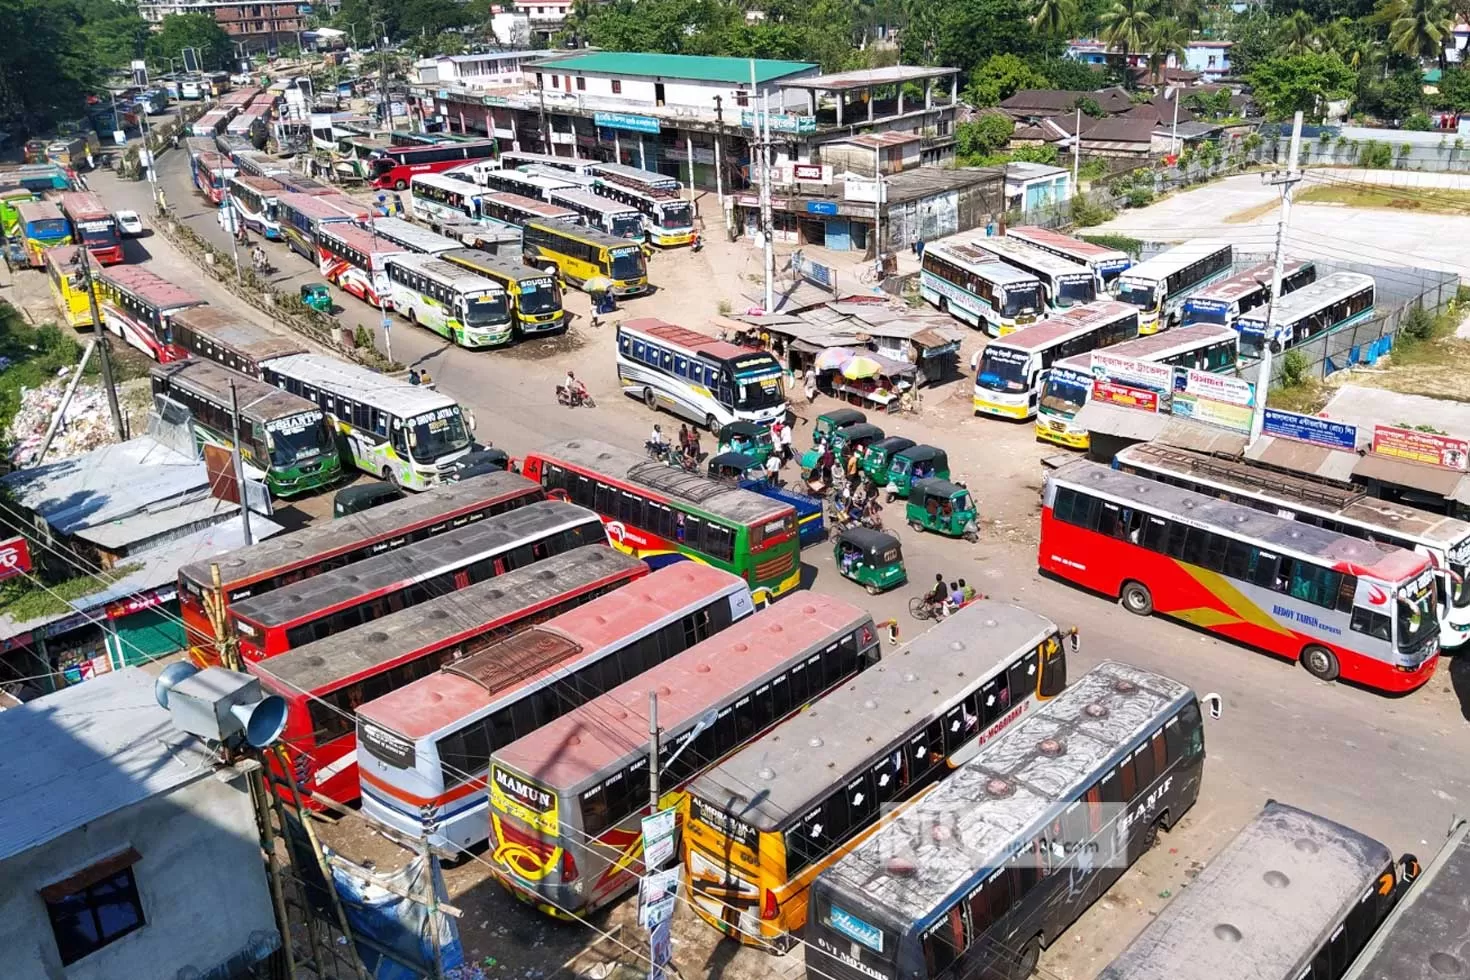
(86,426)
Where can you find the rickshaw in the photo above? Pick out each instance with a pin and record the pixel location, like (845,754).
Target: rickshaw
(872,559)
(829,422)
(316,296)
(748,439)
(880,454)
(942,507)
(735,467)
(915,463)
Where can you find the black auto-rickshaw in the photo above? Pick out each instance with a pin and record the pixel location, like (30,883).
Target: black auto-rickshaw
(478,462)
(872,559)
(915,463)
(943,507)
(351,500)
(735,467)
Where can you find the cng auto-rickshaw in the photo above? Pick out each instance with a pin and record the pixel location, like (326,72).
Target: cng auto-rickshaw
(880,454)
(858,434)
(747,438)
(316,296)
(915,463)
(829,422)
(872,559)
(942,507)
(352,500)
(735,467)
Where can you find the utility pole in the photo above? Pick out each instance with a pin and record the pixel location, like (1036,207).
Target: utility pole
(766,219)
(1174,132)
(1076,150)
(877,209)
(719,139)
(652,752)
(383,74)
(386,322)
(234,221)
(101,335)
(239,464)
(1286,182)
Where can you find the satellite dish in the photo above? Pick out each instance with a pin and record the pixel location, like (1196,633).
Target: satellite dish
(173,675)
(263,720)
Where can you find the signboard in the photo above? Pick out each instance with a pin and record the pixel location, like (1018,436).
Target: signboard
(496,101)
(660,949)
(657,891)
(15,558)
(1112,393)
(821,207)
(781,122)
(624,121)
(811,173)
(1310,428)
(1219,387)
(1421,447)
(1129,371)
(1225,414)
(140,602)
(822,276)
(658,839)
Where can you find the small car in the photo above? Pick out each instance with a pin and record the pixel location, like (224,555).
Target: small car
(129,224)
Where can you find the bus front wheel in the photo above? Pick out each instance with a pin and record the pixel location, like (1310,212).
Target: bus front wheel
(1029,959)
(650,399)
(1320,663)
(400,185)
(1137,599)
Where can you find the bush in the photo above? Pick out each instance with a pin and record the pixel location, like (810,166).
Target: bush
(1123,243)
(1418,122)
(1086,214)
(1139,197)
(1375,155)
(1294,369)
(1417,323)
(362,337)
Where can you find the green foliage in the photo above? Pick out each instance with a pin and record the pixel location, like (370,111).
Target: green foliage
(1127,25)
(1398,96)
(967,33)
(1046,154)
(1071,76)
(1418,122)
(47,66)
(1301,82)
(1000,77)
(1417,323)
(1209,105)
(1454,90)
(1089,107)
(1418,28)
(1253,41)
(1294,368)
(982,137)
(35,355)
(1123,243)
(180,31)
(1139,197)
(23,599)
(1375,155)
(1093,169)
(1085,213)
(362,337)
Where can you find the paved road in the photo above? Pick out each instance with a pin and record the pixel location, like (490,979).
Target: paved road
(1393,768)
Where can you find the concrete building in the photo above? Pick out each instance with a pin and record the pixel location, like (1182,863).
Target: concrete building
(124,850)
(1035,185)
(475,72)
(259,25)
(1210,58)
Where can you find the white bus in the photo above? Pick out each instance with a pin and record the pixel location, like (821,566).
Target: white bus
(437,198)
(1330,303)
(1106,263)
(350,258)
(1445,540)
(407,434)
(425,747)
(1068,386)
(254,200)
(602,213)
(708,381)
(1224,302)
(519,182)
(1158,286)
(972,286)
(515,210)
(1064,284)
(450,300)
(1009,374)
(412,237)
(516,160)
(667,217)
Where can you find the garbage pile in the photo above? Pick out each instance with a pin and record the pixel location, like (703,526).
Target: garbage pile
(86,425)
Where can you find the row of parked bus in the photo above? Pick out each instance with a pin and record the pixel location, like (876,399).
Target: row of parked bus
(39,210)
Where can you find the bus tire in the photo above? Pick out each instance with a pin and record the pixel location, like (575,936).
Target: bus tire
(400,185)
(1320,663)
(711,424)
(1137,599)
(1150,837)
(650,399)
(391,476)
(1028,960)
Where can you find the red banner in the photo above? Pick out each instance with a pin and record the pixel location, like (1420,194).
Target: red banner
(15,558)
(1112,393)
(140,602)
(1421,447)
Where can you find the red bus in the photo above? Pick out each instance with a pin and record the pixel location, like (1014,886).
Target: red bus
(92,225)
(394,166)
(334,601)
(354,259)
(324,682)
(1341,605)
(137,306)
(211,170)
(269,565)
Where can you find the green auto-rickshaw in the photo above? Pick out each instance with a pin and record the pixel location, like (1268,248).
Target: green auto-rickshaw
(915,463)
(880,454)
(829,422)
(317,296)
(748,439)
(735,467)
(942,507)
(872,559)
(860,435)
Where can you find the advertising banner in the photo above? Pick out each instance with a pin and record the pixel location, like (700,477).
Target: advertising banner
(1219,387)
(1112,393)
(1421,447)
(1310,428)
(1129,371)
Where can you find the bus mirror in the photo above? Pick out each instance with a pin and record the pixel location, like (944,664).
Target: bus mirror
(1073,641)
(470,418)
(1216,703)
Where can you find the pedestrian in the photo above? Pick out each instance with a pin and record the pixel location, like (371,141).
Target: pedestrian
(694,443)
(413,376)
(683,438)
(852,464)
(786,452)
(773,469)
(811,384)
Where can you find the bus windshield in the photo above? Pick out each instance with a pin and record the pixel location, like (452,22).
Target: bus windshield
(676,214)
(1140,294)
(539,296)
(627,264)
(1002,369)
(438,434)
(1416,611)
(628,226)
(755,395)
(1077,290)
(297,438)
(1195,312)
(1022,299)
(1065,394)
(486,309)
(49,228)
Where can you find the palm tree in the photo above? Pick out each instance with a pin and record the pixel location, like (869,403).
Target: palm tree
(1297,33)
(1054,18)
(1125,26)
(1420,28)
(1166,38)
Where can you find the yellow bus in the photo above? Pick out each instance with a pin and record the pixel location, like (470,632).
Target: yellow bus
(767,820)
(534,295)
(579,254)
(64,269)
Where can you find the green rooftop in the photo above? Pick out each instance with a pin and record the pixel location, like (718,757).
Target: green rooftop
(697,68)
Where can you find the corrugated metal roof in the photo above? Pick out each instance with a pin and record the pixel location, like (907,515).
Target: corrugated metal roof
(1431,479)
(1303,457)
(1121,422)
(1201,438)
(90,750)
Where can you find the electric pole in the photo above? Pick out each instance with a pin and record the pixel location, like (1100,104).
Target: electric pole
(239,464)
(101,334)
(1286,181)
(1076,151)
(766,217)
(719,139)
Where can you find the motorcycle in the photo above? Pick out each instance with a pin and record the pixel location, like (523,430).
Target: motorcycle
(574,397)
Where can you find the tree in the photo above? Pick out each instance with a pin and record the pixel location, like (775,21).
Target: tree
(967,33)
(981,138)
(199,31)
(1304,82)
(1071,76)
(1167,38)
(1126,25)
(1419,28)
(1397,96)
(1002,76)
(47,69)
(1454,90)
(1296,34)
(1252,34)
(1089,107)
(114,33)
(1054,18)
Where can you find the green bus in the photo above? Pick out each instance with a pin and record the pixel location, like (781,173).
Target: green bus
(9,219)
(535,297)
(283,436)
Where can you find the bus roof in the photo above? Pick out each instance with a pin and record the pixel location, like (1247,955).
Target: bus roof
(414,236)
(211,160)
(1179,257)
(264,185)
(317,206)
(238,334)
(1263,906)
(1351,503)
(457,276)
(531,204)
(621,171)
(980,262)
(1055,239)
(328,373)
(592,202)
(482,261)
(1014,250)
(411,563)
(571,229)
(449,619)
(1311,298)
(542,180)
(796,763)
(690,340)
(63,257)
(146,286)
(1248,281)
(257,399)
(1424,936)
(1068,323)
(383,521)
(429,704)
(670,484)
(83,204)
(1024,783)
(444,182)
(613,728)
(38,211)
(1158,346)
(1352,555)
(359,238)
